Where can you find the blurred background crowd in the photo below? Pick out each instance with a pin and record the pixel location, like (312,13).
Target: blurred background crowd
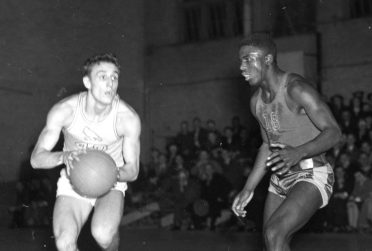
(195,178)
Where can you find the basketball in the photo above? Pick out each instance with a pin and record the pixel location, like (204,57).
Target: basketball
(94,174)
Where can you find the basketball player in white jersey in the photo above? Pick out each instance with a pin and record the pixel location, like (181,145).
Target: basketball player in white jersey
(94,119)
(297,128)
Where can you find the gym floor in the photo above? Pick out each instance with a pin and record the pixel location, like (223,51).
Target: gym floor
(37,239)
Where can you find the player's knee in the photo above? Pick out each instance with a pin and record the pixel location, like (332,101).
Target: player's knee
(65,242)
(273,234)
(104,235)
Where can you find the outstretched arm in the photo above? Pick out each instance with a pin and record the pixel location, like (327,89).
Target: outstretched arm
(42,157)
(130,128)
(258,172)
(259,168)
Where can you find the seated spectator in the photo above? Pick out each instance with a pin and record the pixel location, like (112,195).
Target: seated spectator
(365,216)
(361,131)
(367,109)
(154,159)
(347,124)
(355,107)
(337,208)
(38,210)
(185,141)
(177,196)
(172,152)
(204,158)
(236,126)
(158,173)
(368,119)
(212,142)
(365,147)
(244,148)
(228,141)
(349,167)
(350,147)
(369,136)
(336,105)
(215,191)
(232,169)
(212,127)
(365,164)
(18,210)
(361,195)
(199,134)
(369,98)
(215,154)
(178,165)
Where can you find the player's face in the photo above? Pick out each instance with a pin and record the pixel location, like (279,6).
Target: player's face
(103,82)
(252,64)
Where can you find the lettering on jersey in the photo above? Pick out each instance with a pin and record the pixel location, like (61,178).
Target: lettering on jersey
(93,141)
(271,121)
(275,121)
(90,135)
(86,146)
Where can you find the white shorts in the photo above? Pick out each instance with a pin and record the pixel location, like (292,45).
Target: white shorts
(64,188)
(322,177)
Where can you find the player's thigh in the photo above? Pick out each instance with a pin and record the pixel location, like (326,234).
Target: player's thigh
(273,201)
(108,210)
(69,215)
(303,200)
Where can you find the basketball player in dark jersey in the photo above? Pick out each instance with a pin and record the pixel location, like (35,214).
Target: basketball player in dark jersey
(297,129)
(94,119)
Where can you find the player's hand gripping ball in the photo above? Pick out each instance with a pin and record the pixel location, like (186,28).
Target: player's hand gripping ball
(93,174)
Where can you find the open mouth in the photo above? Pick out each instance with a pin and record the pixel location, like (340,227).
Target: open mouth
(109,93)
(246,75)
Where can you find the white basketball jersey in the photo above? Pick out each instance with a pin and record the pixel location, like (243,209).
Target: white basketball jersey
(102,135)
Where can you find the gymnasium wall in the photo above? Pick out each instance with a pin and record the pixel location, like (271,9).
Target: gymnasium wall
(346,56)
(162,18)
(42,47)
(204,80)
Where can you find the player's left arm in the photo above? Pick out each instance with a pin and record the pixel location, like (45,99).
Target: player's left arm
(129,126)
(302,97)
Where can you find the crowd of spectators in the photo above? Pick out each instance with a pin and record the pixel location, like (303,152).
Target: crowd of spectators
(202,168)
(35,196)
(35,193)
(200,171)
(350,207)
(197,175)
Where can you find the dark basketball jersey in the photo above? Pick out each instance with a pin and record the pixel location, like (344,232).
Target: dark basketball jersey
(284,126)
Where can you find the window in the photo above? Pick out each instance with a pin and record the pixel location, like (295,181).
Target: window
(294,17)
(211,19)
(192,17)
(360,8)
(217,20)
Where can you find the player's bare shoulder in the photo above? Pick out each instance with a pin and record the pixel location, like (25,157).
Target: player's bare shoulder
(63,111)
(299,91)
(127,120)
(296,83)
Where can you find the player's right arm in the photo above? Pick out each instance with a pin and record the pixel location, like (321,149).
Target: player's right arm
(258,172)
(42,156)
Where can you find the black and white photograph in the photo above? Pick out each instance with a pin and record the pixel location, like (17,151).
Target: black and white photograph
(186,125)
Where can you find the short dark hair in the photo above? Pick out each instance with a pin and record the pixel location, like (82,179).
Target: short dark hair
(262,41)
(97,59)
